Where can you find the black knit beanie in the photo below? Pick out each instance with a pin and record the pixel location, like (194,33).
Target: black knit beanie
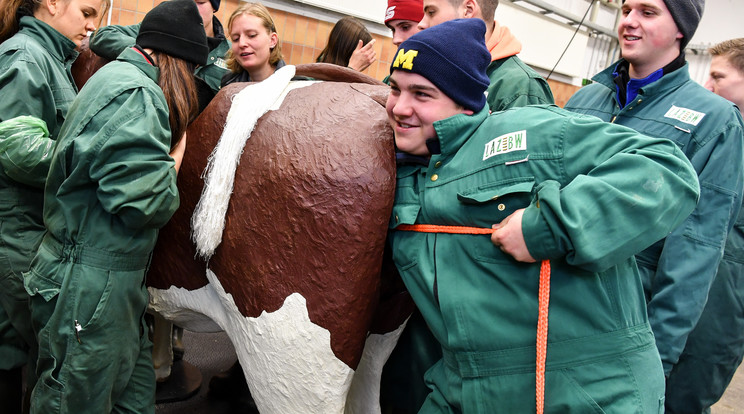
(215,4)
(451,55)
(175,27)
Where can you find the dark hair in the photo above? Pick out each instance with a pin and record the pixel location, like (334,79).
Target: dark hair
(11,13)
(342,41)
(178,85)
(487,7)
(732,50)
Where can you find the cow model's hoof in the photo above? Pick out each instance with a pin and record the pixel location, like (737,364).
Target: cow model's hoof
(231,385)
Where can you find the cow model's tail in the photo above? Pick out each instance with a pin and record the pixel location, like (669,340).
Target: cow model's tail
(248,105)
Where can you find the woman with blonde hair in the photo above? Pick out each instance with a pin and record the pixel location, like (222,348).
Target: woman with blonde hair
(255,53)
(39,38)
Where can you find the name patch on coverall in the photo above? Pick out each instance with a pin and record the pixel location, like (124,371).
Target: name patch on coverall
(221,63)
(688,116)
(513,141)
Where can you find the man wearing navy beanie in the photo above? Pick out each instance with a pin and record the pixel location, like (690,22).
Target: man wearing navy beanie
(482,198)
(650,90)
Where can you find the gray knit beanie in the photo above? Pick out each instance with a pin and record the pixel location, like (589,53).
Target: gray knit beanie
(687,15)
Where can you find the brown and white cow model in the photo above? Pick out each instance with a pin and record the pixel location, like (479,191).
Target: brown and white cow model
(294,276)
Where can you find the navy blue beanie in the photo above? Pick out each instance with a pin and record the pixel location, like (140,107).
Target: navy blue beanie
(453,56)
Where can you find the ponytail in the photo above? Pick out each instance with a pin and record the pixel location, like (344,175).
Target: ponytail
(11,13)
(178,85)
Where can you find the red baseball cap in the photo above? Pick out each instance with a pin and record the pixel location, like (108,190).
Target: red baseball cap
(404,10)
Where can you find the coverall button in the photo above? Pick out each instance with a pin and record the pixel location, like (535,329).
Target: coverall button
(396,218)
(502,207)
(434,177)
(438,164)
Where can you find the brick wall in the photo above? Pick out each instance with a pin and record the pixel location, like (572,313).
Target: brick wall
(301,38)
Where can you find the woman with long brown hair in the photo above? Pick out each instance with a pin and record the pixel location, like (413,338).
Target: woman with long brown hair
(111,186)
(38,38)
(349,44)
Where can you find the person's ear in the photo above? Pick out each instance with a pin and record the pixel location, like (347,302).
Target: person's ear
(274,40)
(51,6)
(470,9)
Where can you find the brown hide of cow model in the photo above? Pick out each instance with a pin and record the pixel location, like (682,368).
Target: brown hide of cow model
(86,64)
(309,210)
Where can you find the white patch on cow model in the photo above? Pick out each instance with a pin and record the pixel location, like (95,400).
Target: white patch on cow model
(287,360)
(248,105)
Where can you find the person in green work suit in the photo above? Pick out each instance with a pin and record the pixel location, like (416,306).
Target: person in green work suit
(511,82)
(650,90)
(535,178)
(38,47)
(111,187)
(110,41)
(715,347)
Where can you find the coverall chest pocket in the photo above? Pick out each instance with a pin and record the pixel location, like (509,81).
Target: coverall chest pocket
(490,204)
(403,255)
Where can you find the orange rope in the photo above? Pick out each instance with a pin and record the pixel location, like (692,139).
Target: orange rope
(543,302)
(433,228)
(542,334)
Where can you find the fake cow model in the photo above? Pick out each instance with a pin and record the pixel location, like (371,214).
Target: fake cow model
(293,278)
(288,237)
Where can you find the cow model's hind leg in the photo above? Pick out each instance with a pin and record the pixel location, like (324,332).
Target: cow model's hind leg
(287,360)
(364,395)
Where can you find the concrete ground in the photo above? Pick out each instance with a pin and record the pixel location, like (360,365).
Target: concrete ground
(733,400)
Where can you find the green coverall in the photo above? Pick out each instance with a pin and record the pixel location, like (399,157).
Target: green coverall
(512,84)
(677,272)
(111,186)
(588,209)
(35,80)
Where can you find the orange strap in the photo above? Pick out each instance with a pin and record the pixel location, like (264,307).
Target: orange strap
(543,301)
